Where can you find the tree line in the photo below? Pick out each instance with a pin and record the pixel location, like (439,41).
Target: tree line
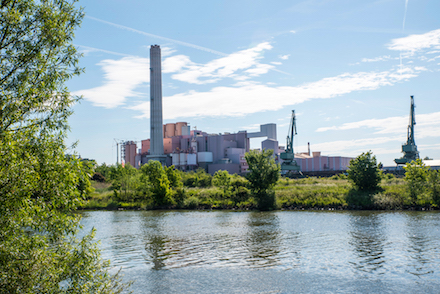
(422,183)
(168,187)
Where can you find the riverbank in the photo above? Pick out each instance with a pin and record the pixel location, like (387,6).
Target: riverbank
(334,193)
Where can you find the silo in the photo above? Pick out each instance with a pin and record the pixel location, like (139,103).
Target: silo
(192,159)
(183,159)
(179,126)
(170,130)
(176,159)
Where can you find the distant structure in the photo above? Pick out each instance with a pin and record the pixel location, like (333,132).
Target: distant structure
(409,149)
(156,121)
(316,162)
(189,150)
(175,143)
(288,156)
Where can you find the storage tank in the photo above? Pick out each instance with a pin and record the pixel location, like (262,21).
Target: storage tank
(170,130)
(204,156)
(192,159)
(176,159)
(186,131)
(179,126)
(183,158)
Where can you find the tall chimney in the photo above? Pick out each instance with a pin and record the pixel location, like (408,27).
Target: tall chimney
(308,145)
(156,121)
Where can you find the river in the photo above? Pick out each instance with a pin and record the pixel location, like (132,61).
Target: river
(272,252)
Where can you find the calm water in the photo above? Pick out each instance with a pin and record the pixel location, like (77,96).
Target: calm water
(272,252)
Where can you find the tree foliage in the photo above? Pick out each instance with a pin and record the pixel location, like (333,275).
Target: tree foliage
(200,178)
(434,185)
(124,181)
(416,175)
(364,172)
(263,175)
(158,181)
(222,179)
(174,177)
(41,187)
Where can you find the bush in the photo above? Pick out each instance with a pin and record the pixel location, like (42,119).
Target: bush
(264,174)
(192,202)
(98,177)
(416,175)
(364,172)
(180,196)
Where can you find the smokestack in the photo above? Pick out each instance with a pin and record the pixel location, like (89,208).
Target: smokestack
(308,145)
(156,121)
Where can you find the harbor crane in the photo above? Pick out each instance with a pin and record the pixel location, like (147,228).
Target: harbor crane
(409,149)
(288,156)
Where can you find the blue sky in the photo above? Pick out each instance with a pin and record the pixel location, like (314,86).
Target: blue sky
(346,67)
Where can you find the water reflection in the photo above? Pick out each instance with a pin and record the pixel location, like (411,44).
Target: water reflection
(263,239)
(367,238)
(419,244)
(155,241)
(234,252)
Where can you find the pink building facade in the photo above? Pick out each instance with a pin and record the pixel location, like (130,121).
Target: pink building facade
(322,163)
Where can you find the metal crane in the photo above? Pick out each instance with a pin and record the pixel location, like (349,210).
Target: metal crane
(409,149)
(288,156)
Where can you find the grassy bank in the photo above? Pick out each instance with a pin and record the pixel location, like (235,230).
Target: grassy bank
(295,194)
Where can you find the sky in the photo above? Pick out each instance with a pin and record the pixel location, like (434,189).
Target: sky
(347,68)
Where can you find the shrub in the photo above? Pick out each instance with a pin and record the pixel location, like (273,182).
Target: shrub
(263,175)
(192,202)
(416,175)
(364,172)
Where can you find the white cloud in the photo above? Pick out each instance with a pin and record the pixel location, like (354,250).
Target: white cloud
(175,63)
(293,31)
(217,69)
(353,148)
(414,43)
(380,58)
(166,51)
(428,125)
(284,57)
(251,97)
(122,78)
(276,62)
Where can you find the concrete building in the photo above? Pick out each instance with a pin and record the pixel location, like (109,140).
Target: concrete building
(189,150)
(317,162)
(156,122)
(129,151)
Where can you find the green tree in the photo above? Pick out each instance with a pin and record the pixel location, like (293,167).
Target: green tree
(174,177)
(158,181)
(40,187)
(239,185)
(416,175)
(434,185)
(222,179)
(124,180)
(263,175)
(364,172)
(104,170)
(204,179)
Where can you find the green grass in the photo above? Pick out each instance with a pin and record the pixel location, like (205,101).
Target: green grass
(307,193)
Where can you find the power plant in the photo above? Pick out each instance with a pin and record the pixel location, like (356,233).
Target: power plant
(176,144)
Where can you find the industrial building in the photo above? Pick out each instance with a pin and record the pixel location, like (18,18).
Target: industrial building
(189,150)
